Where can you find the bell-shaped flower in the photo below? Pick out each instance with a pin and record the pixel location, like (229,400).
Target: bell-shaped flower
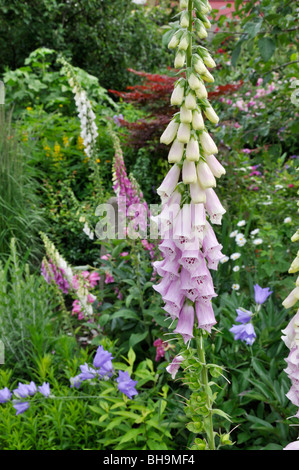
(201,92)
(169,133)
(180,59)
(197,120)
(185,115)
(194,81)
(184,20)
(198,65)
(206,178)
(292,298)
(207,143)
(174,297)
(208,77)
(215,166)
(182,225)
(198,219)
(177,95)
(174,41)
(189,174)
(190,260)
(197,193)
(185,323)
(208,60)
(211,115)
(174,366)
(170,182)
(192,150)
(183,134)
(205,315)
(184,42)
(214,207)
(176,152)
(190,100)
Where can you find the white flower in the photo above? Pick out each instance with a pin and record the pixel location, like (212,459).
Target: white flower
(255,232)
(236,268)
(235,287)
(240,239)
(235,256)
(233,234)
(224,259)
(88,232)
(287,220)
(241,223)
(278,186)
(257,241)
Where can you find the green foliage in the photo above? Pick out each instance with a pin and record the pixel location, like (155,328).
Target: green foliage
(27,307)
(21,216)
(101,38)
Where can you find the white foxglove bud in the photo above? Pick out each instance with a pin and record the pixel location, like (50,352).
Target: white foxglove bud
(197,193)
(176,152)
(197,120)
(208,77)
(199,66)
(177,95)
(201,92)
(192,150)
(174,41)
(292,298)
(185,115)
(208,60)
(215,166)
(184,22)
(184,42)
(205,176)
(179,60)
(194,82)
(211,115)
(190,101)
(170,133)
(183,4)
(207,143)
(189,172)
(200,29)
(183,134)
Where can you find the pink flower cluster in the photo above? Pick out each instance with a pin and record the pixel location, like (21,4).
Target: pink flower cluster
(161,347)
(253,101)
(291,340)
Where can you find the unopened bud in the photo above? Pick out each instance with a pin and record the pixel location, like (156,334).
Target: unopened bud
(190,101)
(183,134)
(177,95)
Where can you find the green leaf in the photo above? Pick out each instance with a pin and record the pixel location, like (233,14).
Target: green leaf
(126,313)
(266,47)
(236,52)
(131,435)
(136,338)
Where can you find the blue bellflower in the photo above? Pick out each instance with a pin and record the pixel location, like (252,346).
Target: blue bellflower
(261,294)
(126,385)
(244,332)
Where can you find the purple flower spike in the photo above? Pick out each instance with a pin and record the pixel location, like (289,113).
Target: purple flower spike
(21,406)
(5,395)
(261,294)
(244,316)
(44,389)
(126,385)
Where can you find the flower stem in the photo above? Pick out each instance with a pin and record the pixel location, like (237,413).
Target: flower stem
(205,383)
(189,50)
